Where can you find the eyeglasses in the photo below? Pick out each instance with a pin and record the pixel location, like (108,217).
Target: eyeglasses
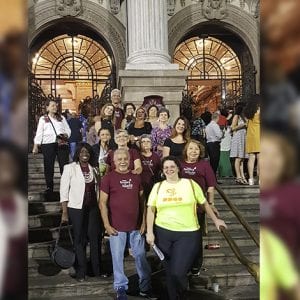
(121,136)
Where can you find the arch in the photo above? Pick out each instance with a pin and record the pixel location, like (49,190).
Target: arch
(242,24)
(43,15)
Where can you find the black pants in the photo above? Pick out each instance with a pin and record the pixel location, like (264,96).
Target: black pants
(87,225)
(213,150)
(50,151)
(198,261)
(180,249)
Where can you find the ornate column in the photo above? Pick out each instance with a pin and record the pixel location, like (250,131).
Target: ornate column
(149,70)
(147,35)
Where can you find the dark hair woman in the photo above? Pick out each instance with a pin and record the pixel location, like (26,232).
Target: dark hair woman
(252,113)
(238,141)
(107,119)
(152,112)
(171,207)
(180,135)
(49,127)
(138,127)
(79,203)
(129,109)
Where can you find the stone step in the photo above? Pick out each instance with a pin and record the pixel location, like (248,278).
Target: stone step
(44,220)
(35,208)
(37,188)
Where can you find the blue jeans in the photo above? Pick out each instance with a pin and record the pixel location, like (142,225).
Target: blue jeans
(72,149)
(137,245)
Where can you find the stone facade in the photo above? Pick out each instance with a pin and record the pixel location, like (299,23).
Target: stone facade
(144,50)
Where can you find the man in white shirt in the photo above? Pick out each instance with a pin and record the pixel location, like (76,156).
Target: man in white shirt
(213,139)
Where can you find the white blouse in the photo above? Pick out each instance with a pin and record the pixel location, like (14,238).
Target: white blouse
(45,133)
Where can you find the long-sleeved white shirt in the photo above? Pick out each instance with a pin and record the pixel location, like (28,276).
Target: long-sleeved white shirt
(213,132)
(45,133)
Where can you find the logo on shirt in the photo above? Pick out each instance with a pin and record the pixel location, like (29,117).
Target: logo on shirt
(171,196)
(148,163)
(126,184)
(189,170)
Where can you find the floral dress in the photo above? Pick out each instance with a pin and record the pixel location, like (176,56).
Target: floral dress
(158,137)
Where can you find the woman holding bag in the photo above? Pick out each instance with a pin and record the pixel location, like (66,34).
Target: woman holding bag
(79,204)
(171,207)
(51,126)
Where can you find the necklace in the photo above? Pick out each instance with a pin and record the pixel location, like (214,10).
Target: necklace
(88,176)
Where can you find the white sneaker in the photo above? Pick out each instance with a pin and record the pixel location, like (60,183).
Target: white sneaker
(251,181)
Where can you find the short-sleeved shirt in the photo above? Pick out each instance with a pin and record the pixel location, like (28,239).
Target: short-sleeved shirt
(133,154)
(119,116)
(151,167)
(201,172)
(277,271)
(123,204)
(176,204)
(175,149)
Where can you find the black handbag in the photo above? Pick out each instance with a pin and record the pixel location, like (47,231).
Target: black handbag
(61,256)
(61,139)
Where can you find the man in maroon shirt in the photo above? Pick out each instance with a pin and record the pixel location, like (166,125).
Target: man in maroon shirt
(116,102)
(122,208)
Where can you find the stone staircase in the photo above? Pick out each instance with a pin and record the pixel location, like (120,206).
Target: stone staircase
(48,282)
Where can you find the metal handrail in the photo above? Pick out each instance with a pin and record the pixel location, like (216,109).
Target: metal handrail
(253,268)
(241,219)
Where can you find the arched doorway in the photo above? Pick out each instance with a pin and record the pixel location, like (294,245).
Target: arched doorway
(215,75)
(72,67)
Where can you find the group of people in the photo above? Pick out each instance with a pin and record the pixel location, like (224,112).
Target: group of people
(137,161)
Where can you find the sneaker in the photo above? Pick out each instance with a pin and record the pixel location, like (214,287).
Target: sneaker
(121,293)
(251,181)
(195,272)
(148,295)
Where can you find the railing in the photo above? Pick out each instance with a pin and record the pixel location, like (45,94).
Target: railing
(252,267)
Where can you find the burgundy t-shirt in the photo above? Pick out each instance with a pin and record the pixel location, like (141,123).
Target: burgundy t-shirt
(123,204)
(133,156)
(280,211)
(201,172)
(151,167)
(119,116)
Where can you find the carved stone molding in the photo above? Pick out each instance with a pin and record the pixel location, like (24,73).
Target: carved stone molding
(171,7)
(68,7)
(238,21)
(214,9)
(43,15)
(115,6)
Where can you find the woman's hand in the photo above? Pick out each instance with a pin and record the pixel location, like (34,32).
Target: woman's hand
(150,238)
(64,217)
(214,209)
(35,149)
(111,231)
(220,223)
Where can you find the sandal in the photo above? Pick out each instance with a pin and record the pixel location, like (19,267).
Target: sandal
(239,181)
(244,180)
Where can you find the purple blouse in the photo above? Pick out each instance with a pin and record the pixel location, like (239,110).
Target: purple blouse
(159,136)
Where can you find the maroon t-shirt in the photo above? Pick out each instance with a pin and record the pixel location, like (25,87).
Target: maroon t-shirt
(124,203)
(201,172)
(151,167)
(280,211)
(119,116)
(133,156)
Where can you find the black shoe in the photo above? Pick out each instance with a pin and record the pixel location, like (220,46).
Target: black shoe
(78,278)
(195,272)
(148,295)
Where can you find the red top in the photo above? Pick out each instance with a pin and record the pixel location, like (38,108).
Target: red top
(151,167)
(201,172)
(222,121)
(133,154)
(279,209)
(119,116)
(124,203)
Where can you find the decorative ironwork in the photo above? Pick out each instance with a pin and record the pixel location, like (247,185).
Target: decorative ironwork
(214,73)
(71,58)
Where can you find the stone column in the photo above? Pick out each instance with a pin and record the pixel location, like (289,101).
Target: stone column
(147,35)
